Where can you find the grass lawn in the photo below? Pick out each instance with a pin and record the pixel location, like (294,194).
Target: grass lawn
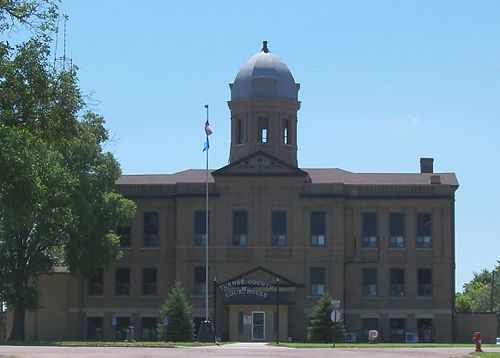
(377,345)
(105,344)
(485,354)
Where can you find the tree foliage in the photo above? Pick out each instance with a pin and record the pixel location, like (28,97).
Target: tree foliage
(37,15)
(480,294)
(177,309)
(321,328)
(58,204)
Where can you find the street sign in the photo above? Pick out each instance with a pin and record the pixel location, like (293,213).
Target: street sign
(335,303)
(165,321)
(335,316)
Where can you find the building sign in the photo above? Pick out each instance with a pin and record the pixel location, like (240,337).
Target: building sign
(245,291)
(246,287)
(242,282)
(247,320)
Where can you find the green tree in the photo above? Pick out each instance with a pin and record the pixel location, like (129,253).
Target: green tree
(321,327)
(34,194)
(463,302)
(58,204)
(97,208)
(177,309)
(480,294)
(37,15)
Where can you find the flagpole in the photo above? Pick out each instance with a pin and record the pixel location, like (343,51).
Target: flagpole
(206,225)
(206,332)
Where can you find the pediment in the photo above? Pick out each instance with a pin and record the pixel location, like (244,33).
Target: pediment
(258,276)
(261,164)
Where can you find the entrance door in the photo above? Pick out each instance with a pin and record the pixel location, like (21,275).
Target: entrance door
(258,326)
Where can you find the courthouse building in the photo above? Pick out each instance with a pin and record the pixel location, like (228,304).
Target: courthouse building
(382,244)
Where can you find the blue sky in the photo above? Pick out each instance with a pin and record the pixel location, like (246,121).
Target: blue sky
(383,83)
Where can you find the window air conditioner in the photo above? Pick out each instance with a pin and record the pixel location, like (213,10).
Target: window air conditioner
(350,337)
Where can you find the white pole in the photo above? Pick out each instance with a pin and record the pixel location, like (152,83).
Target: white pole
(206,227)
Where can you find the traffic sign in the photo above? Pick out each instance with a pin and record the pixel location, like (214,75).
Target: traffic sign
(335,316)
(113,320)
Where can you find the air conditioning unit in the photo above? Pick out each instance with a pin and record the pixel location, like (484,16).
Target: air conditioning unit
(411,337)
(351,337)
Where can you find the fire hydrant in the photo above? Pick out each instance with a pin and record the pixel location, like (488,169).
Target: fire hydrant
(477,340)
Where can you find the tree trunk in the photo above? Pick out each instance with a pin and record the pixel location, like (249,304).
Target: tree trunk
(17,333)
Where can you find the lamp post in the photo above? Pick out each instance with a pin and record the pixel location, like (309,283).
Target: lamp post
(277,310)
(215,308)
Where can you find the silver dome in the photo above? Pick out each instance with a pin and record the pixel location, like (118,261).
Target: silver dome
(264,76)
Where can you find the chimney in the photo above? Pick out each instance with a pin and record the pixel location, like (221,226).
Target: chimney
(426,165)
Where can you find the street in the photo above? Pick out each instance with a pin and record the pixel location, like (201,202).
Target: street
(232,350)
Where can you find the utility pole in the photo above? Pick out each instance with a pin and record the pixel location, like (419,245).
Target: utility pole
(492,289)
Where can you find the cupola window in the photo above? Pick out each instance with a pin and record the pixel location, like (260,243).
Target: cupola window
(286,131)
(263,129)
(240,132)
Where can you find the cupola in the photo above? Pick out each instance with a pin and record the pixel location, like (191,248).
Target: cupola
(264,104)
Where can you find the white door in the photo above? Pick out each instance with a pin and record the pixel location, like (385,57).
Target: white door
(258,326)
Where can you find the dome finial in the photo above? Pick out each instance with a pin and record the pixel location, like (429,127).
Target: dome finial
(264,47)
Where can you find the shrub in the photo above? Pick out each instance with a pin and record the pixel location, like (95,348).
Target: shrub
(321,327)
(177,309)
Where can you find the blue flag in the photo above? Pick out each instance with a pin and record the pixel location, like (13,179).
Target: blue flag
(206,146)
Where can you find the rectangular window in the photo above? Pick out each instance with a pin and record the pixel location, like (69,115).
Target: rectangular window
(200,225)
(149,281)
(424,225)
(199,280)
(286,131)
(94,328)
(397,230)
(95,283)
(263,129)
(370,239)
(318,228)
(398,328)
(368,325)
(151,232)
(149,328)
(317,281)
(240,132)
(424,282)
(369,282)
(397,283)
(122,281)
(125,236)
(278,228)
(240,228)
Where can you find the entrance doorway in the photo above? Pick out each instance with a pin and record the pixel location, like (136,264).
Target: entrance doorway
(258,326)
